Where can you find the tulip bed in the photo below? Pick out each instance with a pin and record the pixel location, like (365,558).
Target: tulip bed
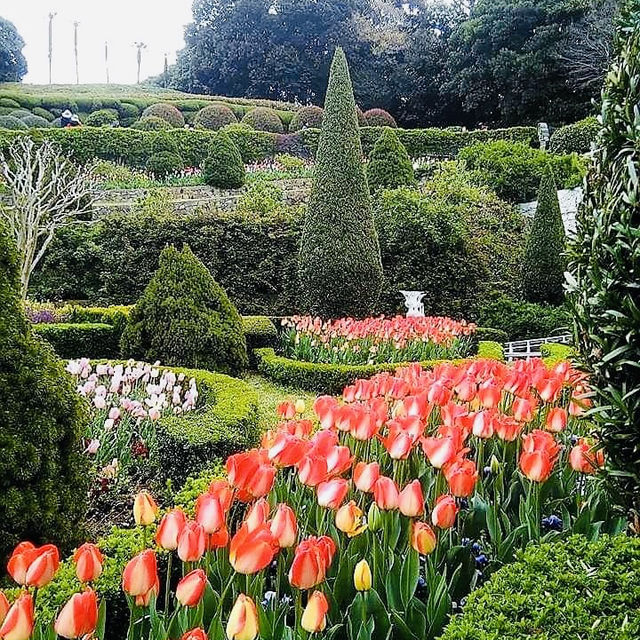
(373,521)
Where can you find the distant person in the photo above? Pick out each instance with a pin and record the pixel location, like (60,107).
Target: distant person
(65,118)
(75,121)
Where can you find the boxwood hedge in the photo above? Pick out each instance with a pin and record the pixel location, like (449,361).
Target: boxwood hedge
(71,340)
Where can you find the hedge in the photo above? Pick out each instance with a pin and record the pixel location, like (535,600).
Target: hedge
(69,340)
(573,589)
(577,137)
(554,352)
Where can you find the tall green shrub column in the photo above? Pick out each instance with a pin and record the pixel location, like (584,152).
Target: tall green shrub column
(43,472)
(604,284)
(340,266)
(544,262)
(389,164)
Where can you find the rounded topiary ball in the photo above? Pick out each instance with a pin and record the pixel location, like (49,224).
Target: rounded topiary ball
(9,122)
(167,112)
(164,163)
(43,113)
(35,122)
(307,118)
(102,118)
(214,117)
(223,167)
(264,119)
(379,118)
(151,123)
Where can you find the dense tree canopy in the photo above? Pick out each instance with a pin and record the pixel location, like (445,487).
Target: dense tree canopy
(13,65)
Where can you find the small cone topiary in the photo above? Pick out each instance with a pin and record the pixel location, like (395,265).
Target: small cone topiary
(340,265)
(43,473)
(389,164)
(185,318)
(223,167)
(544,262)
(165,158)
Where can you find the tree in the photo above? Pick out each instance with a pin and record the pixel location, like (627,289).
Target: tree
(340,266)
(42,470)
(13,65)
(47,192)
(544,263)
(605,262)
(389,163)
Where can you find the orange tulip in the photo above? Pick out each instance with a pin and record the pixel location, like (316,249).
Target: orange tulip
(507,428)
(539,454)
(366,475)
(140,576)
(145,509)
(489,394)
(4,607)
(21,558)
(243,620)
(251,472)
(439,451)
(191,542)
(385,493)
(523,409)
(332,493)
(411,500)
(584,458)
(218,539)
(18,625)
(194,634)
(88,560)
(44,566)
(349,519)
(482,424)
(325,408)
(287,410)
(462,475)
(190,589)
(312,469)
(423,538)
(287,450)
(556,420)
(284,526)
(79,616)
(444,512)
(252,550)
(398,443)
(209,513)
(314,618)
(258,514)
(311,560)
(170,528)
(222,490)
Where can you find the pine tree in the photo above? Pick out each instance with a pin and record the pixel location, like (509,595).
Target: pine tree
(340,266)
(389,163)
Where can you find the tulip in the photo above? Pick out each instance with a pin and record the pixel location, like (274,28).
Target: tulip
(79,616)
(482,425)
(385,493)
(462,475)
(374,517)
(251,472)
(284,526)
(439,451)
(43,567)
(349,519)
(312,469)
(300,406)
(444,512)
(332,493)
(21,558)
(339,459)
(314,618)
(325,408)
(489,395)
(4,607)
(140,576)
(523,409)
(194,634)
(366,475)
(191,542)
(288,450)
(218,539)
(398,444)
(88,560)
(584,459)
(243,620)
(423,538)
(539,454)
(190,589)
(222,490)
(18,625)
(258,514)
(556,420)
(252,550)
(311,560)
(362,576)
(411,500)
(287,410)
(145,509)
(170,528)
(209,513)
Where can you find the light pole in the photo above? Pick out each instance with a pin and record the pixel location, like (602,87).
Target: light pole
(140,46)
(52,15)
(106,59)
(75,49)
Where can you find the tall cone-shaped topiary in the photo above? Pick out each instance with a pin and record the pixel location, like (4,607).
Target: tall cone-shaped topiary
(340,266)
(604,267)
(43,472)
(185,318)
(389,164)
(223,166)
(544,262)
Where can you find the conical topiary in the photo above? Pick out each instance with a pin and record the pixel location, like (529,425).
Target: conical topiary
(604,266)
(185,318)
(544,262)
(223,167)
(389,164)
(340,266)
(165,158)
(43,473)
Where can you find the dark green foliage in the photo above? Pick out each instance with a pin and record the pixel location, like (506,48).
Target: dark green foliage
(11,122)
(42,470)
(605,265)
(86,340)
(575,138)
(389,164)
(264,119)
(151,123)
(43,113)
(544,262)
(36,122)
(165,158)
(8,103)
(20,113)
(554,352)
(165,111)
(306,118)
(102,118)
(214,117)
(13,65)
(379,118)
(223,166)
(340,267)
(184,317)
(259,332)
(573,589)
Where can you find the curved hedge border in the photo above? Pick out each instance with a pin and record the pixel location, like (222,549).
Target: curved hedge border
(572,589)
(69,340)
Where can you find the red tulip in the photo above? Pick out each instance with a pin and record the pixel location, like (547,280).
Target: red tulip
(411,500)
(191,542)
(4,607)
(79,616)
(462,475)
(385,493)
(287,410)
(556,420)
(252,551)
(398,443)
(140,576)
(325,408)
(339,459)
(18,625)
(439,451)
(314,618)
(482,425)
(194,634)
(21,558)
(423,538)
(44,566)
(88,561)
(284,526)
(210,514)
(366,475)
(287,450)
(444,512)
(243,620)
(218,539)
(170,528)
(584,458)
(251,472)
(523,409)
(311,560)
(489,394)
(312,470)
(507,428)
(190,589)
(258,514)
(222,490)
(539,454)
(332,493)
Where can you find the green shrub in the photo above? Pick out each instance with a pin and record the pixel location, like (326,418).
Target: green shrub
(35,122)
(289,162)
(43,113)
(102,118)
(573,589)
(575,138)
(184,317)
(21,113)
(85,340)
(164,163)
(214,117)
(9,103)
(151,123)
(261,198)
(165,111)
(259,332)
(489,334)
(605,263)
(11,122)
(544,263)
(362,122)
(492,350)
(389,164)
(306,118)
(340,267)
(128,113)
(42,470)
(554,352)
(223,166)
(253,145)
(264,119)
(379,118)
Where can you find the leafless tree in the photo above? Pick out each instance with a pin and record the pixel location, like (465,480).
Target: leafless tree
(46,192)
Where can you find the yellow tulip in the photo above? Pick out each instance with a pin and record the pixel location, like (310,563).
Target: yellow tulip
(145,509)
(362,576)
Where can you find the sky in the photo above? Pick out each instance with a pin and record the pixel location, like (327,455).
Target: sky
(157,23)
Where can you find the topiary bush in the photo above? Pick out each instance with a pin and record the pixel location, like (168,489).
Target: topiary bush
(185,318)
(544,263)
(306,118)
(167,112)
(214,117)
(128,113)
(11,122)
(340,265)
(102,118)
(35,122)
(264,119)
(573,589)
(362,122)
(223,167)
(43,113)
(165,158)
(20,113)
(42,470)
(378,118)
(151,123)
(575,138)
(389,164)
(605,263)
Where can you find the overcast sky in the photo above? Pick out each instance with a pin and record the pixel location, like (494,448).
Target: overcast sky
(157,23)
